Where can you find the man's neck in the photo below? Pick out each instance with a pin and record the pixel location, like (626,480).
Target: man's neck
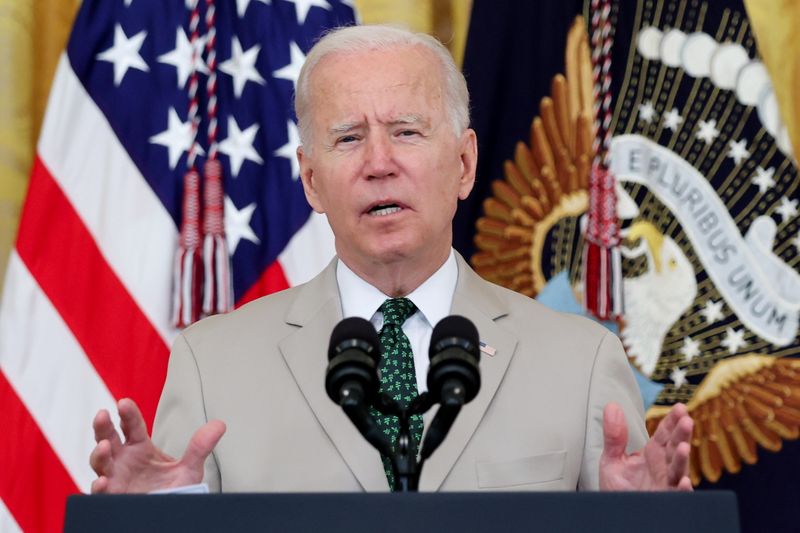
(398,278)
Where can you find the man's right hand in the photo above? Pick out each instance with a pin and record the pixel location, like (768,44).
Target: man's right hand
(136,465)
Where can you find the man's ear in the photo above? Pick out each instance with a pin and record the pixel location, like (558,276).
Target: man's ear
(469,162)
(307,178)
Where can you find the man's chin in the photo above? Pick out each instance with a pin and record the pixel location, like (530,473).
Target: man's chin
(389,255)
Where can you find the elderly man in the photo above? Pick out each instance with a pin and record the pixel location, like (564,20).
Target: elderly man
(386,154)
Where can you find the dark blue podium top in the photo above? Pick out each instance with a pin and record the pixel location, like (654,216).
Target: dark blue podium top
(701,512)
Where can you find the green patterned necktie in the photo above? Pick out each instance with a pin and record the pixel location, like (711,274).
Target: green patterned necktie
(398,377)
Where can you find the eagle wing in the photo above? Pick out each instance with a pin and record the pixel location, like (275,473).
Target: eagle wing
(744,402)
(546,181)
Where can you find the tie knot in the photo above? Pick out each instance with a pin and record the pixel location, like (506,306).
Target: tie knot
(397,310)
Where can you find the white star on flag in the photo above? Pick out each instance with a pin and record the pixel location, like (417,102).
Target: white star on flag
(181,57)
(177,137)
(242,66)
(738,151)
(712,311)
(124,54)
(764,179)
(302,7)
(647,111)
(787,209)
(237,225)
(690,348)
(672,120)
(238,146)
(734,340)
(241,6)
(289,150)
(708,131)
(291,71)
(678,377)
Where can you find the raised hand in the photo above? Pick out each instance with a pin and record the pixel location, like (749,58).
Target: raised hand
(136,465)
(663,463)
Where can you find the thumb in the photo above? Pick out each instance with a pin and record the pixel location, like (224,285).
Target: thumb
(202,443)
(615,432)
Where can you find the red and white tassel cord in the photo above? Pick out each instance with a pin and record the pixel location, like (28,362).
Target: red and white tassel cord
(217,290)
(188,273)
(601,261)
(188,260)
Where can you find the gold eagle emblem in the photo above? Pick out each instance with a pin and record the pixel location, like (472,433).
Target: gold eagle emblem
(743,402)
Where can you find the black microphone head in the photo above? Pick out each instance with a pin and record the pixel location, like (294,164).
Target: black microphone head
(354,332)
(353,356)
(455,330)
(454,353)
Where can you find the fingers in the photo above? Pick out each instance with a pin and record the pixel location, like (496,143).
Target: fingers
(132,422)
(678,467)
(665,428)
(615,431)
(101,458)
(682,431)
(202,444)
(673,435)
(104,430)
(675,429)
(100,485)
(680,443)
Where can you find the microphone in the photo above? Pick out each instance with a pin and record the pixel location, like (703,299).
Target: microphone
(454,352)
(453,376)
(351,379)
(353,356)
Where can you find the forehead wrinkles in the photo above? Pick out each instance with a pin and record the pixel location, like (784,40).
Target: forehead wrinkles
(340,77)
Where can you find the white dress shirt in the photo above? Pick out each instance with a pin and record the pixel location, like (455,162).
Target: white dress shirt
(433,300)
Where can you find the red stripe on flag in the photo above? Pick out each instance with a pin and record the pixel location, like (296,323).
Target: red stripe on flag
(34,485)
(124,347)
(272,280)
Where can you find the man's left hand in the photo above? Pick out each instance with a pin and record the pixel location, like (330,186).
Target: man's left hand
(663,463)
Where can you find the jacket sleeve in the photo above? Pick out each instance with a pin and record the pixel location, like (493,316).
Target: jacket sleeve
(181,410)
(611,381)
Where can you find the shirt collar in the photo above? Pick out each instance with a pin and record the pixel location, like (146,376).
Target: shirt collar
(433,298)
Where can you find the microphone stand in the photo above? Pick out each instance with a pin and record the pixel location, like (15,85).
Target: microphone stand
(351,381)
(406,468)
(403,457)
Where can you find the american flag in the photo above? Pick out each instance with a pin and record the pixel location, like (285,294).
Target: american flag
(86,313)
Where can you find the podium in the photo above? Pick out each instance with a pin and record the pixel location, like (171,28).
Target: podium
(496,512)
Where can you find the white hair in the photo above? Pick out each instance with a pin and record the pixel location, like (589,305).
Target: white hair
(355,39)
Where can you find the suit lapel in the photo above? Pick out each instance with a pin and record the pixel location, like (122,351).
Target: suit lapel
(316,310)
(474,300)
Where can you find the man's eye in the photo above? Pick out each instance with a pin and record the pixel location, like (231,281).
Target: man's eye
(347,139)
(408,133)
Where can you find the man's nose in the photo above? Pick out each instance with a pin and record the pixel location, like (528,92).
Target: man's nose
(380,161)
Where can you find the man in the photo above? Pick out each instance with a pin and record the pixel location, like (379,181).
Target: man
(386,154)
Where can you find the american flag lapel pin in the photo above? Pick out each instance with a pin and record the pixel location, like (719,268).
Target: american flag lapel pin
(488,350)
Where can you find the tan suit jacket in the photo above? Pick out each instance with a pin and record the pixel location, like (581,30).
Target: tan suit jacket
(535,425)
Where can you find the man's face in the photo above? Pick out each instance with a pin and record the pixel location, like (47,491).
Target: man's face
(385,165)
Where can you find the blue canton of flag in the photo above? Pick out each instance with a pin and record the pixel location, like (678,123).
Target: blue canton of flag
(134,57)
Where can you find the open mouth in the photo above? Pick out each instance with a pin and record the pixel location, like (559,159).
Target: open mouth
(381,210)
